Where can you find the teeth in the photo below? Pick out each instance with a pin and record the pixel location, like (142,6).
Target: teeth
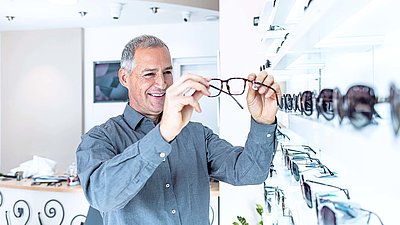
(156,95)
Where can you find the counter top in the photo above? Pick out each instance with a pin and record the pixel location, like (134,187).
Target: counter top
(26,184)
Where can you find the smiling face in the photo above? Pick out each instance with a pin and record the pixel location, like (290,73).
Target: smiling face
(149,80)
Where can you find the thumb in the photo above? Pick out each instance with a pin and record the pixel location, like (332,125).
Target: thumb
(251,93)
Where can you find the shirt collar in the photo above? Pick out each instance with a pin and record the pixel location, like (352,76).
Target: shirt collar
(132,116)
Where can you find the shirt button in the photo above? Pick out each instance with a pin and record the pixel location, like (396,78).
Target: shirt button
(268,135)
(162,154)
(173,211)
(167,185)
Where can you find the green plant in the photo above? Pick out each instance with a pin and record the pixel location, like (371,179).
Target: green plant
(242,220)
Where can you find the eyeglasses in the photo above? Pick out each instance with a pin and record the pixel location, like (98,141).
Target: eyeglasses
(290,102)
(303,147)
(328,213)
(306,190)
(357,104)
(290,154)
(295,171)
(281,136)
(323,104)
(235,86)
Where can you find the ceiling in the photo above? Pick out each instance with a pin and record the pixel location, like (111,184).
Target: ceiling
(51,14)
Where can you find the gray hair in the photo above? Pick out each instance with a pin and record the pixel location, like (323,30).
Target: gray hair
(143,41)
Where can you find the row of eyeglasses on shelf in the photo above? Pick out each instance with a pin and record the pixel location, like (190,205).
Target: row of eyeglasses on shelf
(357,105)
(332,204)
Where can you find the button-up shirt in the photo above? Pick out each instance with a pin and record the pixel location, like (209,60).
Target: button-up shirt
(133,176)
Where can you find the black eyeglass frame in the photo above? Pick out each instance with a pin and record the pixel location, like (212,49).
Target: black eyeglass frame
(255,85)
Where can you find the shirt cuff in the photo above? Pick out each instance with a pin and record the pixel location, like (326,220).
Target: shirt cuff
(262,133)
(153,147)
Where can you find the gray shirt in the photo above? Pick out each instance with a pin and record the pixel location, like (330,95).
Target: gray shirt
(133,176)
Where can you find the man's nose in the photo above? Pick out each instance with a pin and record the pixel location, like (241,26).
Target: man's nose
(160,81)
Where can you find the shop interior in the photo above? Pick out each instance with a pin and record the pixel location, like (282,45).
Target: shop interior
(338,121)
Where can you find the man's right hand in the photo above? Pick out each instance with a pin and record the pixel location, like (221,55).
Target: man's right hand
(179,104)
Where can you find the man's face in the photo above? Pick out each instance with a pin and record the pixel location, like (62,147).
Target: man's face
(151,77)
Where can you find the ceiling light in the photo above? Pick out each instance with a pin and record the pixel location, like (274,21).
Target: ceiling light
(116,9)
(83,13)
(186,16)
(154,9)
(10,18)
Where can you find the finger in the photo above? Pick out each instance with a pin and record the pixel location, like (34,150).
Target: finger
(268,81)
(193,77)
(190,101)
(251,92)
(189,85)
(275,88)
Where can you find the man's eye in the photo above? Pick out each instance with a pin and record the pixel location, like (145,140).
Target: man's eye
(149,75)
(167,72)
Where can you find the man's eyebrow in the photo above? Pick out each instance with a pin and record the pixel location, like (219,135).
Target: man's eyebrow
(168,68)
(155,70)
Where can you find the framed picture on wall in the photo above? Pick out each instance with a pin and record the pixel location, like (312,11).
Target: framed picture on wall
(107,87)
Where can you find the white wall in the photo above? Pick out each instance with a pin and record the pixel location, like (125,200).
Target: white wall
(41,96)
(239,56)
(104,44)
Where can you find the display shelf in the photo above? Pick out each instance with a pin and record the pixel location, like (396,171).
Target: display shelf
(319,20)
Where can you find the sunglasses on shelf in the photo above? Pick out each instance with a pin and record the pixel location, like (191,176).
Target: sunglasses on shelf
(330,212)
(295,171)
(290,102)
(307,193)
(357,105)
(323,103)
(303,147)
(289,155)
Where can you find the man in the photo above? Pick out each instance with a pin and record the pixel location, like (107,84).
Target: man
(150,165)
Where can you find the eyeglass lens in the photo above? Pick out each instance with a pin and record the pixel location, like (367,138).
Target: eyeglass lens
(394,100)
(325,104)
(327,216)
(306,103)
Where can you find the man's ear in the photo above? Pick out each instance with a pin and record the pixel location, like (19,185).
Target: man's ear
(123,77)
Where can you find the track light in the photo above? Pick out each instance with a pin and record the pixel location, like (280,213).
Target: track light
(10,18)
(154,9)
(82,13)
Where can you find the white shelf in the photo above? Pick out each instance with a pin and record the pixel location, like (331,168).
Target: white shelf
(319,30)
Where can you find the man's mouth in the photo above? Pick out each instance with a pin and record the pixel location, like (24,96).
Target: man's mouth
(156,94)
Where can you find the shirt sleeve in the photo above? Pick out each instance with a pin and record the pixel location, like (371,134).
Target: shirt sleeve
(246,165)
(110,180)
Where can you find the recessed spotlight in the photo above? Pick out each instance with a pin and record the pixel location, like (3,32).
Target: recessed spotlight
(10,18)
(154,9)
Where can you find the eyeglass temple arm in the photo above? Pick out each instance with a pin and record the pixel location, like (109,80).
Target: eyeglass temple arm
(229,95)
(323,166)
(276,95)
(306,147)
(346,192)
(369,216)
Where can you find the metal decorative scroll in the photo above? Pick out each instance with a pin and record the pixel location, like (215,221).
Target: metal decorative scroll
(21,209)
(78,219)
(51,212)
